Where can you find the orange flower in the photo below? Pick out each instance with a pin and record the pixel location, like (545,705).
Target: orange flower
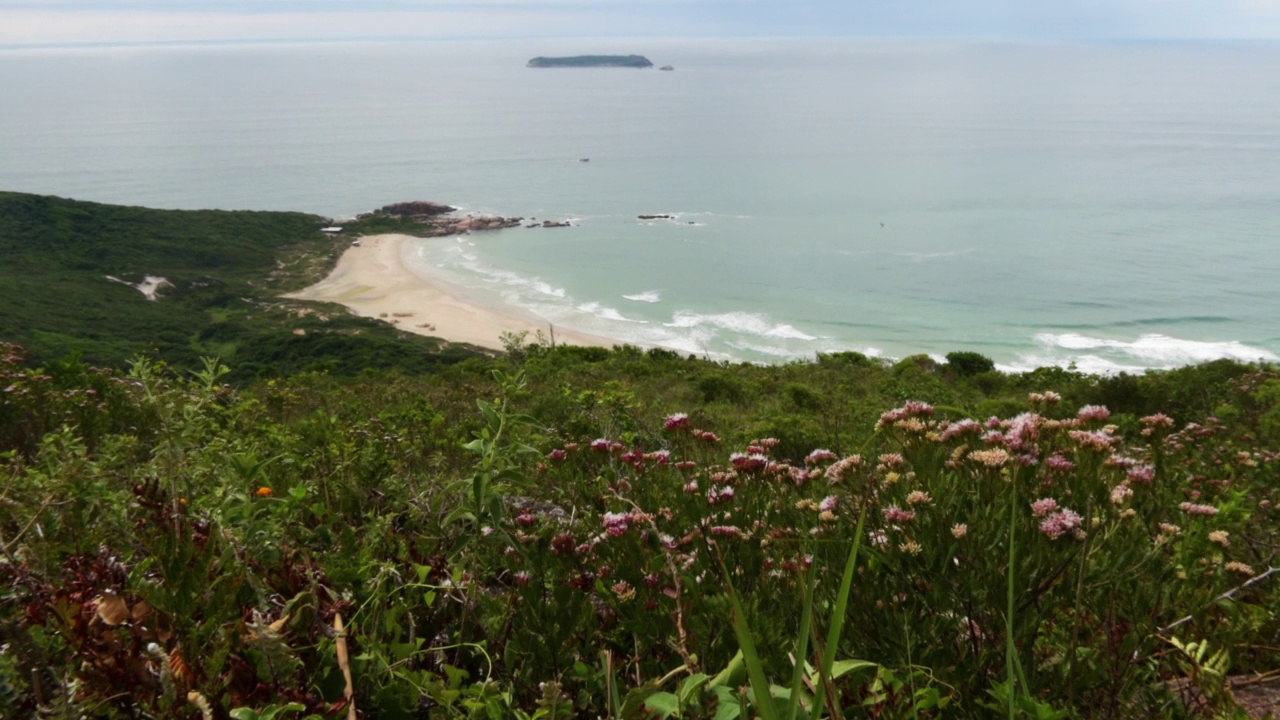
(263,491)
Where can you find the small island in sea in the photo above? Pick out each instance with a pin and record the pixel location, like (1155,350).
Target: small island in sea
(628,61)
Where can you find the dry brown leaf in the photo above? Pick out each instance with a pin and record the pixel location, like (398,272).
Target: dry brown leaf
(112,609)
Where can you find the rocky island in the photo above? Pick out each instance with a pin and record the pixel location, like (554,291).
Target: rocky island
(628,61)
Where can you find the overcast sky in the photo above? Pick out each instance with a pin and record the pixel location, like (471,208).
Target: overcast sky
(87,21)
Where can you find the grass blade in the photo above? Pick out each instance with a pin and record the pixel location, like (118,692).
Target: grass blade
(755,669)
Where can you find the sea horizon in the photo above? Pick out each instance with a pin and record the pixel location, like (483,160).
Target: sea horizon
(1100,204)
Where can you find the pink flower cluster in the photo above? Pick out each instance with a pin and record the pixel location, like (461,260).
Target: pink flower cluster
(895,514)
(676,422)
(717,495)
(1044,506)
(616,524)
(954,430)
(1197,509)
(819,456)
(1095,413)
(912,409)
(1059,523)
(743,462)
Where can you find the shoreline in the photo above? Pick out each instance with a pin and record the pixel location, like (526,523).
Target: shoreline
(372,280)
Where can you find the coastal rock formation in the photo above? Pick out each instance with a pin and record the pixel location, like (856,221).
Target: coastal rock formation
(414,210)
(434,220)
(552,223)
(656,217)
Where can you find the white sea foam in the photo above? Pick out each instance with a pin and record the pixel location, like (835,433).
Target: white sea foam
(922,256)
(739,322)
(1160,350)
(1104,356)
(608,313)
(648,296)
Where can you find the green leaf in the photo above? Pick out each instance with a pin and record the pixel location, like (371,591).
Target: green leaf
(691,686)
(843,667)
(665,704)
(755,668)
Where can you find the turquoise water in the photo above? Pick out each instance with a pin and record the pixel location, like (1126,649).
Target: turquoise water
(1112,205)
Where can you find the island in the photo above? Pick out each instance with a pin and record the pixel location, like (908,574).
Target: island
(627,61)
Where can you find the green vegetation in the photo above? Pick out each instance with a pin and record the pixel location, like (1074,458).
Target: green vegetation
(355,519)
(632,534)
(225,271)
(628,61)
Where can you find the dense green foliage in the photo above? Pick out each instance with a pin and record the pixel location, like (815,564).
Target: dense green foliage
(225,272)
(574,545)
(629,61)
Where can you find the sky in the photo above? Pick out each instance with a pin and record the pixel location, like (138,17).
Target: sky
(45,22)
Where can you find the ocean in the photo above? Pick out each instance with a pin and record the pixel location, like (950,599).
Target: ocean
(1107,206)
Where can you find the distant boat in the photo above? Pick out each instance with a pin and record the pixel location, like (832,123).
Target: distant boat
(584,159)
(667,68)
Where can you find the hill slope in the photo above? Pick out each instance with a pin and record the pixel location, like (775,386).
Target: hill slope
(65,287)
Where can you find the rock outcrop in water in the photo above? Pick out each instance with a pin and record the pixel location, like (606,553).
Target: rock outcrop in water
(434,220)
(628,61)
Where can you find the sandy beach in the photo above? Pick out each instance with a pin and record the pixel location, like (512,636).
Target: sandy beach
(373,281)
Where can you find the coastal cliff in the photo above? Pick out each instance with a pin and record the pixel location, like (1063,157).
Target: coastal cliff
(628,61)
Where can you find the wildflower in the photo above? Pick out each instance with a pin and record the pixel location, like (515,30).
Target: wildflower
(806,504)
(1059,523)
(1097,441)
(706,437)
(691,487)
(829,503)
(959,530)
(826,516)
(963,427)
(842,469)
(562,544)
(623,591)
(263,492)
(990,458)
(600,445)
(686,465)
(895,514)
(1144,474)
(1238,567)
(1169,529)
(525,519)
(1155,424)
(1093,412)
(557,455)
(486,531)
(1059,464)
(1197,509)
(918,497)
(1120,493)
(718,495)
(754,449)
(1023,431)
(660,457)
(879,539)
(676,422)
(616,524)
(819,455)
(743,462)
(910,547)
(1220,537)
(891,461)
(1120,461)
(521,578)
(1044,506)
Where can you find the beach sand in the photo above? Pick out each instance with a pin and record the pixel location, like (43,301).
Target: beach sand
(373,281)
